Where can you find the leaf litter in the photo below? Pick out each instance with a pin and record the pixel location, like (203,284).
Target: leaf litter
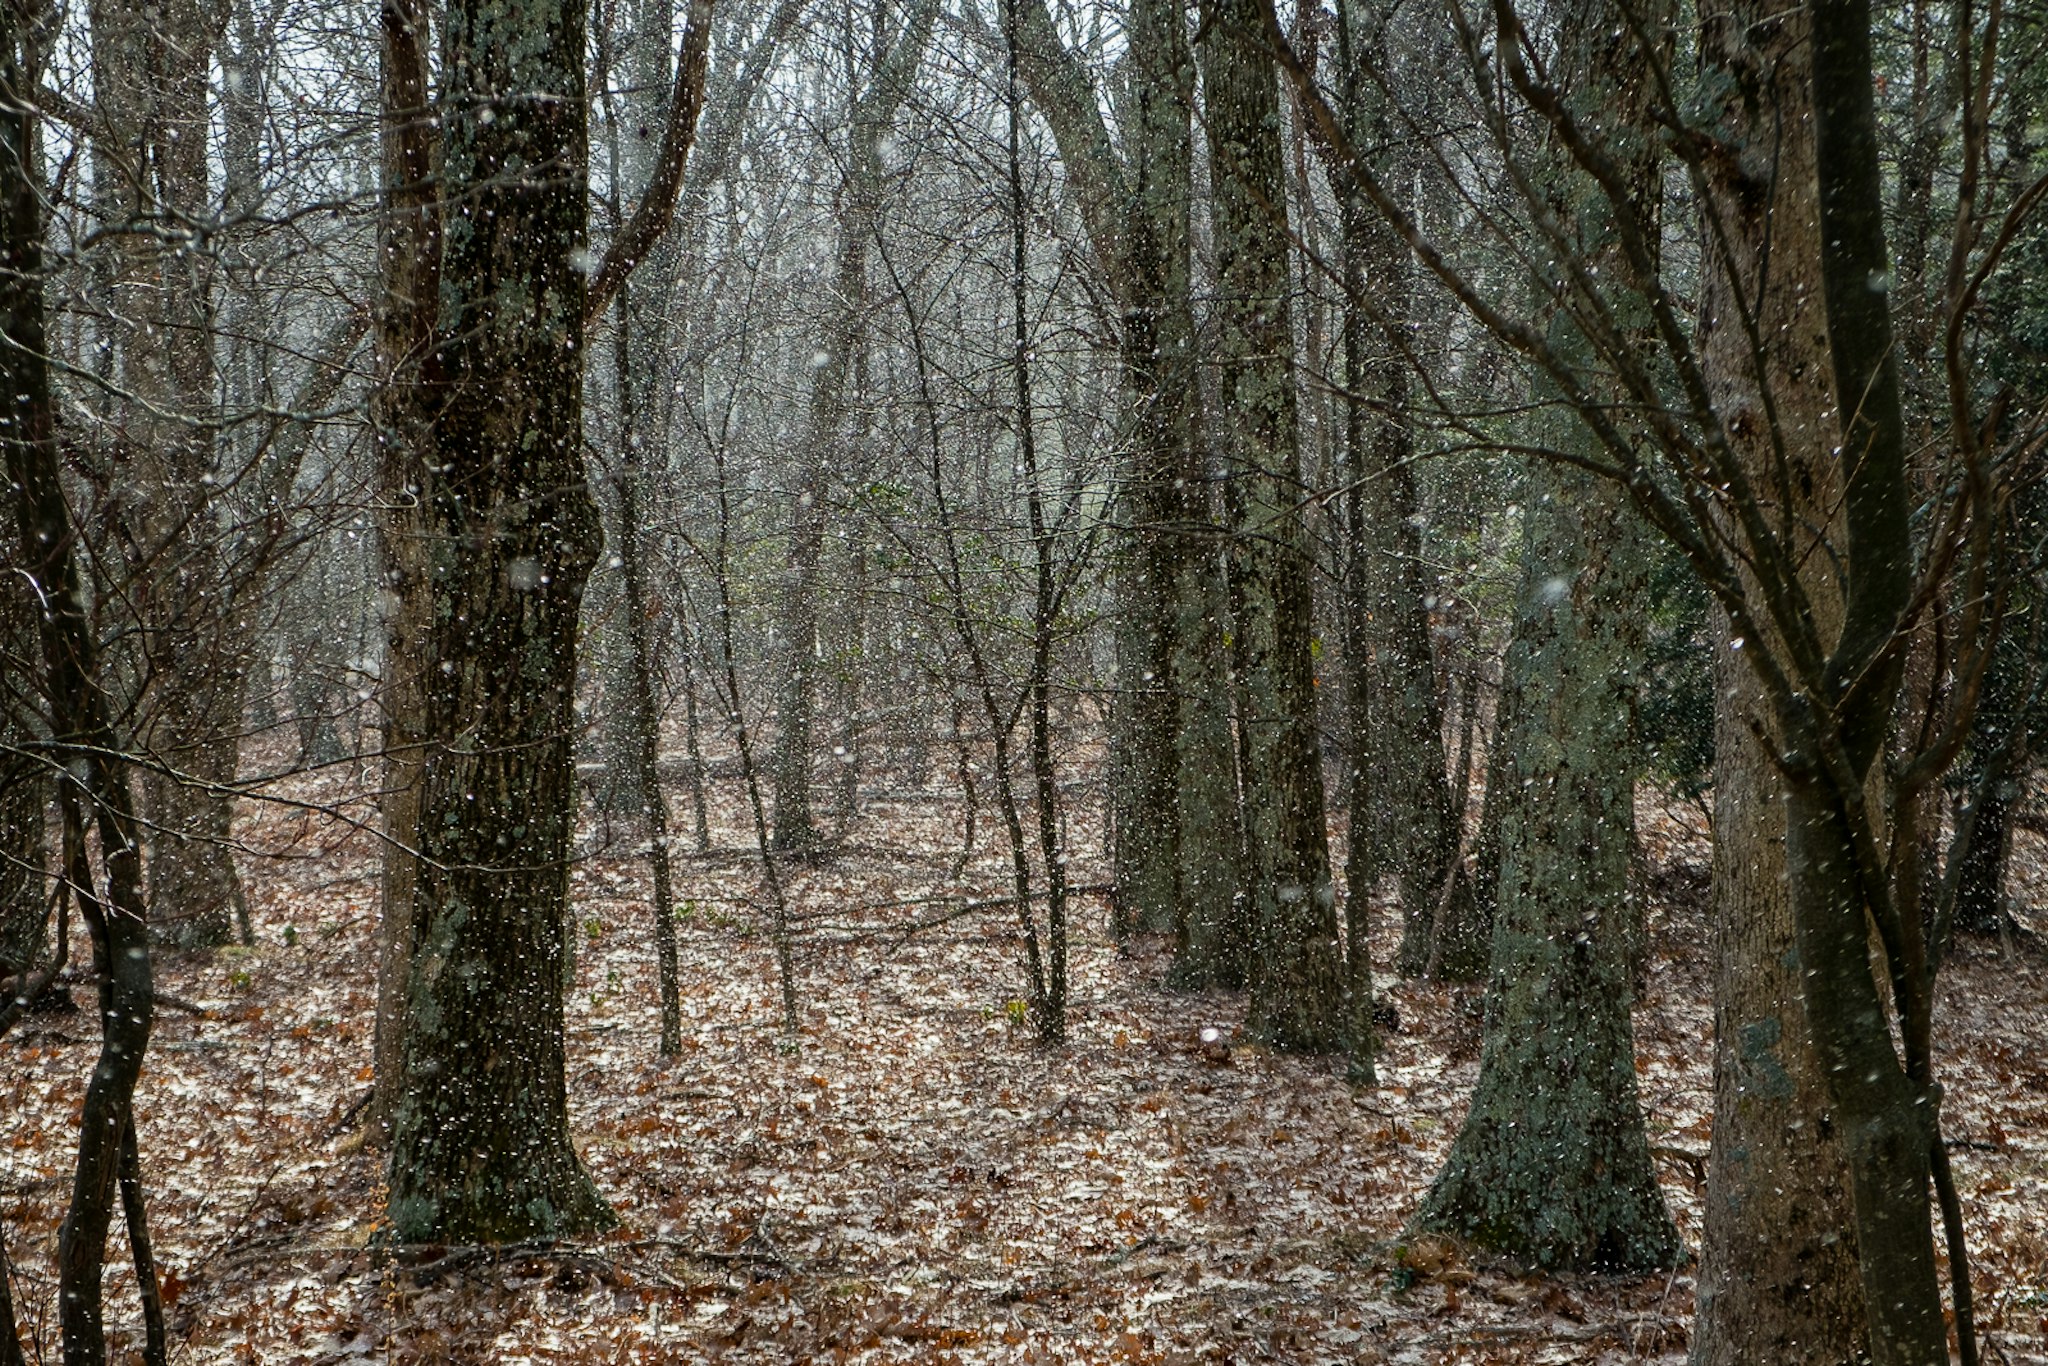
(914,1178)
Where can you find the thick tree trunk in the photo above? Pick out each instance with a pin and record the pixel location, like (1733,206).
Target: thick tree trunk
(1297,979)
(1212,924)
(480,1137)
(1777,1279)
(1553,1165)
(1778,1276)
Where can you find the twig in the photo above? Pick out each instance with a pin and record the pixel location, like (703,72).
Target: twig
(741,1257)
(348,1115)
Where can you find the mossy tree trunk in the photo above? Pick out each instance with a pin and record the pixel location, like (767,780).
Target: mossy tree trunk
(1297,975)
(480,1136)
(1552,1165)
(1199,829)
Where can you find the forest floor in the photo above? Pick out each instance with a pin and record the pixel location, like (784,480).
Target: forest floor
(916,1180)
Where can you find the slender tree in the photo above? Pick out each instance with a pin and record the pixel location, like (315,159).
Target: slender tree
(97,786)
(830,437)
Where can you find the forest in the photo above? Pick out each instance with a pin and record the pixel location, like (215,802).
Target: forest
(1024,681)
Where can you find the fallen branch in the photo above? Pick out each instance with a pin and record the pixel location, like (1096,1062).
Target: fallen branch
(853,934)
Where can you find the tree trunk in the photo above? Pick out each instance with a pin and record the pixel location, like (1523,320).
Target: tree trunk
(1052,1007)
(1297,979)
(409,238)
(1552,1165)
(480,1137)
(1213,931)
(1980,881)
(1145,853)
(694,741)
(1888,1111)
(24,789)
(1186,837)
(1411,818)
(1176,834)
(1778,1277)
(645,723)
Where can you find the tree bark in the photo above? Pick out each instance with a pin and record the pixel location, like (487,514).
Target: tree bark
(1298,991)
(1196,832)
(1176,850)
(1552,1165)
(1888,1111)
(1980,876)
(1778,1277)
(409,238)
(84,743)
(645,714)
(1410,820)
(480,1137)
(24,790)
